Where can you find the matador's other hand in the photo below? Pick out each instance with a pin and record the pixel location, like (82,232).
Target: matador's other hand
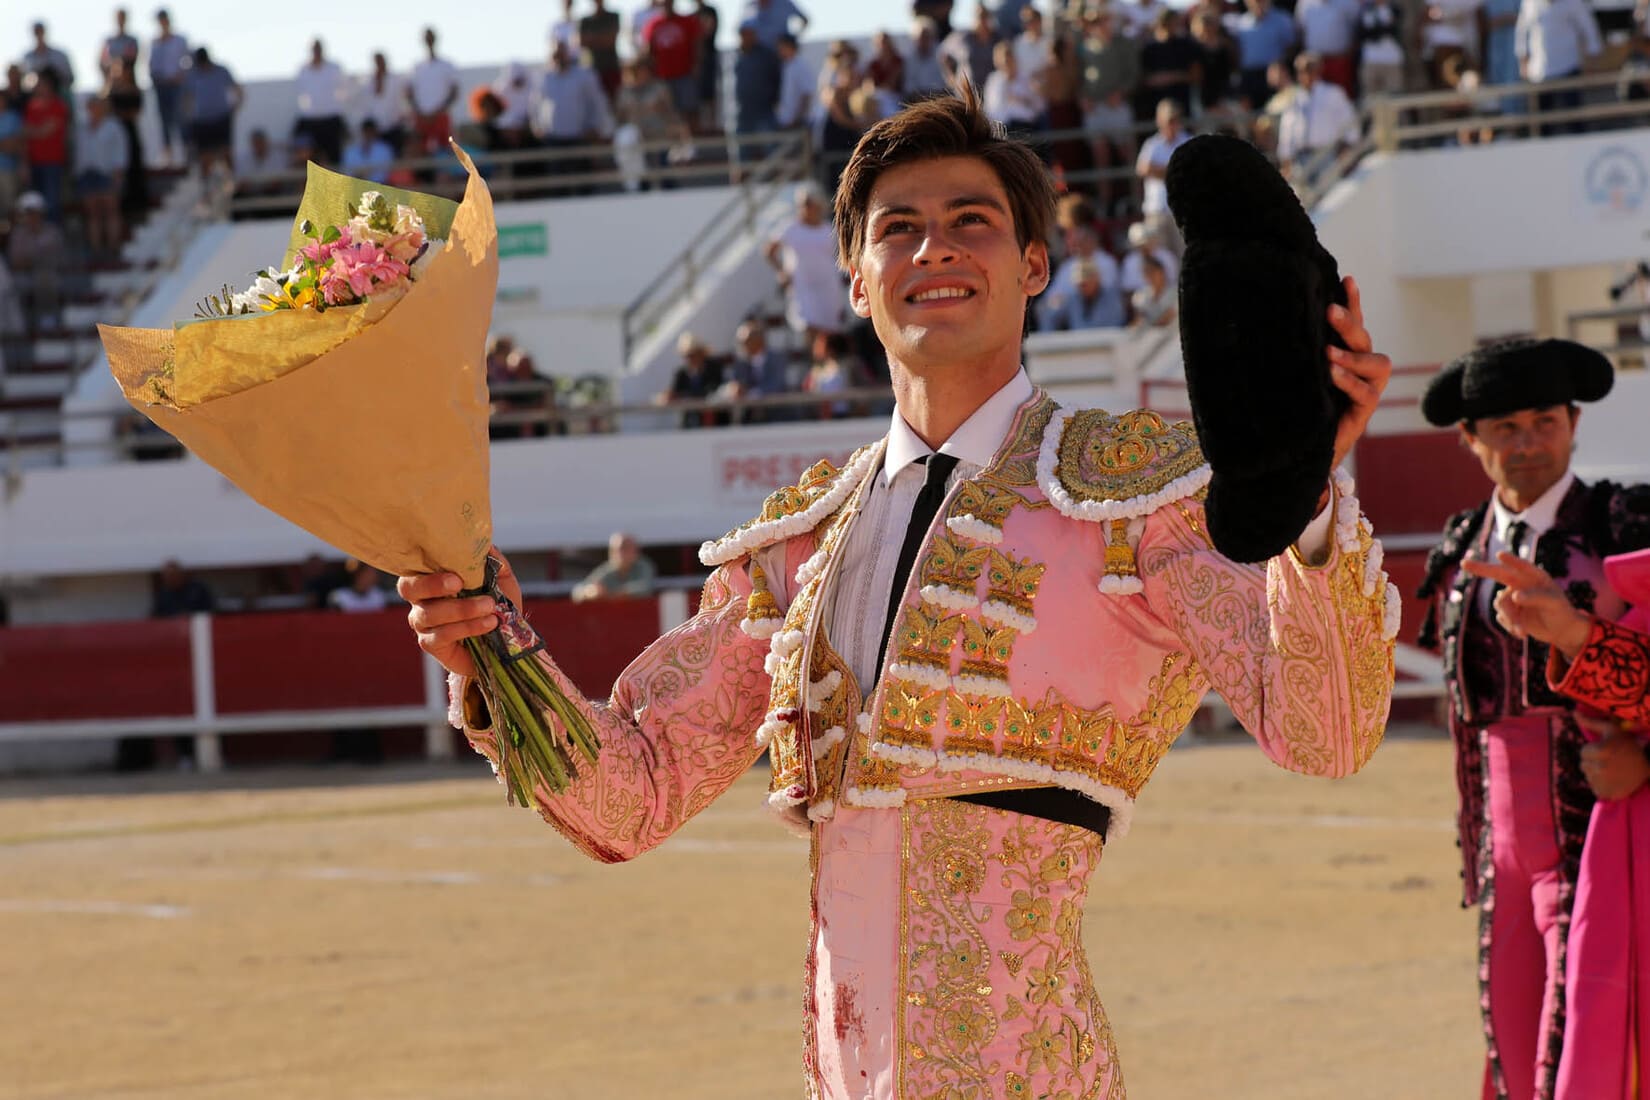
(1615,767)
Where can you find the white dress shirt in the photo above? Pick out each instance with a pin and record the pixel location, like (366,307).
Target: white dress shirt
(433,80)
(1555,36)
(322,90)
(387,107)
(1538,518)
(1316,118)
(856,606)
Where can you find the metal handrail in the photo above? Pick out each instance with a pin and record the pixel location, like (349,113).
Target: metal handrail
(790,160)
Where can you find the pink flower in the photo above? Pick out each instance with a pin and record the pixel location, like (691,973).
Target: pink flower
(356,270)
(319,252)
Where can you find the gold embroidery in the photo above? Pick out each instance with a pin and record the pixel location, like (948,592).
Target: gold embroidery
(986,651)
(953,563)
(985,502)
(1025,1019)
(1119,554)
(1104,457)
(971,724)
(909,712)
(1014,582)
(926,639)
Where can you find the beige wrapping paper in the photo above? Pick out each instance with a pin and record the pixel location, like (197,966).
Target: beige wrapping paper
(364,425)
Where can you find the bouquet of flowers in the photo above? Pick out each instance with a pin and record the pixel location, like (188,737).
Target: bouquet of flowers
(301,390)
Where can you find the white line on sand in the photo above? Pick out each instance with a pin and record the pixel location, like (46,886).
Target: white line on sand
(1300,821)
(93,908)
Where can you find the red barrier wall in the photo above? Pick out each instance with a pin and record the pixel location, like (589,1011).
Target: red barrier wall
(1412,483)
(97,670)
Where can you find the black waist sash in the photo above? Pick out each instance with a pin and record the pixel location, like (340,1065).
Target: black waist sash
(1048,803)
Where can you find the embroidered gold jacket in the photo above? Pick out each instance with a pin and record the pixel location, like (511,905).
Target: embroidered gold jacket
(1066,614)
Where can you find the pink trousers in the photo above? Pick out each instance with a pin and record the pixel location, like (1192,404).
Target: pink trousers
(1521,964)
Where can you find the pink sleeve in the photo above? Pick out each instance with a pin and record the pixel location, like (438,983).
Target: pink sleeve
(1302,654)
(678,730)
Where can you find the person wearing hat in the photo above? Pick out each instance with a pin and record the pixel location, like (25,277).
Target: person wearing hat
(1524,798)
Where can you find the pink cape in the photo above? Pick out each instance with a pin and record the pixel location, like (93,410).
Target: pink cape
(1606,1030)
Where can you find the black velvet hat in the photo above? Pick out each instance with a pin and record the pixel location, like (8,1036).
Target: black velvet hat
(1255,291)
(1504,377)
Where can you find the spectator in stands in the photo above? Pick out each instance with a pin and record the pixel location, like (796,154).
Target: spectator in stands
(102,157)
(599,39)
(1080,242)
(1144,244)
(369,156)
(937,12)
(796,86)
(566,29)
(759,371)
(1152,167)
(835,370)
(431,92)
(697,379)
(1381,46)
(514,88)
(178,593)
(925,68)
(570,111)
(1168,67)
(210,99)
(1111,69)
(120,46)
(259,165)
(1320,118)
(13,147)
(1329,29)
(13,328)
(168,64)
(46,125)
(968,54)
(757,73)
(126,104)
(645,104)
(382,97)
(1216,60)
(671,41)
(1155,301)
(1011,96)
(318,579)
(1089,304)
(841,123)
(1265,36)
(624,575)
(1033,50)
(1449,39)
(15,95)
(363,593)
(774,18)
(322,92)
(1553,40)
(710,68)
(45,57)
(804,254)
(1006,17)
(886,66)
(1062,92)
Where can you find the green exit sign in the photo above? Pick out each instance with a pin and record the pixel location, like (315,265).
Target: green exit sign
(523,240)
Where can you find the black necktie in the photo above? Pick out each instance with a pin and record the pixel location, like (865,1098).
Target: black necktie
(1517,531)
(922,515)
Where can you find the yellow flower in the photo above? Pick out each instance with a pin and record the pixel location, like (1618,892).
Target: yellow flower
(1029,916)
(964,1026)
(1057,867)
(958,964)
(1044,1048)
(289,298)
(1045,985)
(964,871)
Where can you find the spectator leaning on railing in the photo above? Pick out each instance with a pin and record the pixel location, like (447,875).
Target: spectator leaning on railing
(626,574)
(1554,39)
(570,110)
(369,156)
(1319,118)
(646,115)
(1088,305)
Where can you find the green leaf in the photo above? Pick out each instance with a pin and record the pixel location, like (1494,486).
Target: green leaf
(332,234)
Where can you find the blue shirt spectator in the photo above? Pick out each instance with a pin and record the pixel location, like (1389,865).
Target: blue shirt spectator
(569,105)
(369,157)
(11,149)
(1088,305)
(209,93)
(1264,35)
(772,19)
(756,79)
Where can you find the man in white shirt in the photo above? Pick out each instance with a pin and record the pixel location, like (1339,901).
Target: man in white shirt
(1553,39)
(1329,29)
(1153,164)
(322,92)
(796,85)
(431,93)
(1319,117)
(382,97)
(168,62)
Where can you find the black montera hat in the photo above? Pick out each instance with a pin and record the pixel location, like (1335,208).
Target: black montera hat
(1255,291)
(1504,377)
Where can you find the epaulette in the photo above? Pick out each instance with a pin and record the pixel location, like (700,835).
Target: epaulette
(793,510)
(1098,467)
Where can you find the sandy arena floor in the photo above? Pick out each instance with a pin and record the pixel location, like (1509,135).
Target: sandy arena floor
(397,932)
